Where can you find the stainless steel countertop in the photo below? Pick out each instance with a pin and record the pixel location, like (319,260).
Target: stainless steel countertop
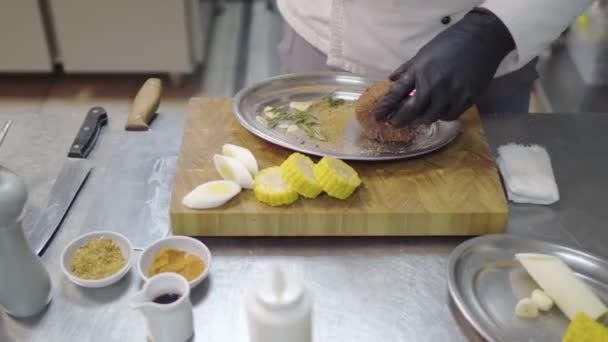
(364,289)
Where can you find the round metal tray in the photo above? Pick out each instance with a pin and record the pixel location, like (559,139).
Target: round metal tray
(486,283)
(352,145)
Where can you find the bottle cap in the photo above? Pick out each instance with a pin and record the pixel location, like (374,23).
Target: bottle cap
(277,291)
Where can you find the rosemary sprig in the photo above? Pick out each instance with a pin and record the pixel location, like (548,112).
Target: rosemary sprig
(305,121)
(313,131)
(332,100)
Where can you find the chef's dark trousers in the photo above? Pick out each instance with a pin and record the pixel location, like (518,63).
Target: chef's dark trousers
(506,94)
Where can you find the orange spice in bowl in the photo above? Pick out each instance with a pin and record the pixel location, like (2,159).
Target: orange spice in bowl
(170,259)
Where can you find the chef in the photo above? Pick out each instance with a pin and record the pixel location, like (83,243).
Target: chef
(454,53)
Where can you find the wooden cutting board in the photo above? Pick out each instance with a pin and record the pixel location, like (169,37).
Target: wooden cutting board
(455,191)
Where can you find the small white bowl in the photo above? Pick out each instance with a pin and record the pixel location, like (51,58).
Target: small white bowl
(186,244)
(125,249)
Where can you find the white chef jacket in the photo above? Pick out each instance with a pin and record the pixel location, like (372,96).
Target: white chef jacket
(373,37)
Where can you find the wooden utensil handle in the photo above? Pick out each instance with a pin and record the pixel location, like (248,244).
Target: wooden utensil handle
(145,105)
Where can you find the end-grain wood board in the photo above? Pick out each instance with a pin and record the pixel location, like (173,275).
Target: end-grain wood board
(454,191)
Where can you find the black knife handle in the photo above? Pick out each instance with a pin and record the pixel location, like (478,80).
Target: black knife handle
(87,135)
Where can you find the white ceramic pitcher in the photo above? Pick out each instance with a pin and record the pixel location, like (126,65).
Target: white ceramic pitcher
(171,322)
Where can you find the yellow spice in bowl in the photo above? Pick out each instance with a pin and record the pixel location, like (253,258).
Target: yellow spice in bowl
(175,260)
(97,259)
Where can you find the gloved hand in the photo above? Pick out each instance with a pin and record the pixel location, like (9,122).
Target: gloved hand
(449,73)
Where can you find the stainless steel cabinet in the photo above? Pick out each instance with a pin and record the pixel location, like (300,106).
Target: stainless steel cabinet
(130,36)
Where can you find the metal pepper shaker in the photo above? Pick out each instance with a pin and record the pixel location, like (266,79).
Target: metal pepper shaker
(25,285)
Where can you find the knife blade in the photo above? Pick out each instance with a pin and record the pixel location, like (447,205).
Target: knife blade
(4,130)
(71,178)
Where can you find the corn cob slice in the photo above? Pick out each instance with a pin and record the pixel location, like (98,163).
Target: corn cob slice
(270,188)
(297,171)
(337,178)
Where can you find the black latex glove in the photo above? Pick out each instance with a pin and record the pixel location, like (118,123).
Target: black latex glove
(449,73)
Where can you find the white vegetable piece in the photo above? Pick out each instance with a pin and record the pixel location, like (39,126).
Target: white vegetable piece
(232,169)
(526,308)
(261,120)
(269,112)
(292,129)
(560,283)
(211,194)
(300,105)
(243,155)
(283,126)
(540,298)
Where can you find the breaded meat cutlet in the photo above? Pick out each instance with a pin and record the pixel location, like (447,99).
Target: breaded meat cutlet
(381,131)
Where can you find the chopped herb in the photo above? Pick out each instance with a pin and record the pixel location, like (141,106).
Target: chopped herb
(332,100)
(305,121)
(313,131)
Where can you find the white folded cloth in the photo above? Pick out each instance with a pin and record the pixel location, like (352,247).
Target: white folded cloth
(527,174)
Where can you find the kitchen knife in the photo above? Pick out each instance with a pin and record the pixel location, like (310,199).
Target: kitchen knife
(72,176)
(145,104)
(7,125)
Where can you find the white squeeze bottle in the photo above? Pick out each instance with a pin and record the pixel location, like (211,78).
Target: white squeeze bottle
(279,309)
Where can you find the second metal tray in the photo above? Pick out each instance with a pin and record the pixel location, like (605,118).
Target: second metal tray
(485,284)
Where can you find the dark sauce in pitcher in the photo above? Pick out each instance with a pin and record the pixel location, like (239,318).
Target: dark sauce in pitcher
(166,298)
